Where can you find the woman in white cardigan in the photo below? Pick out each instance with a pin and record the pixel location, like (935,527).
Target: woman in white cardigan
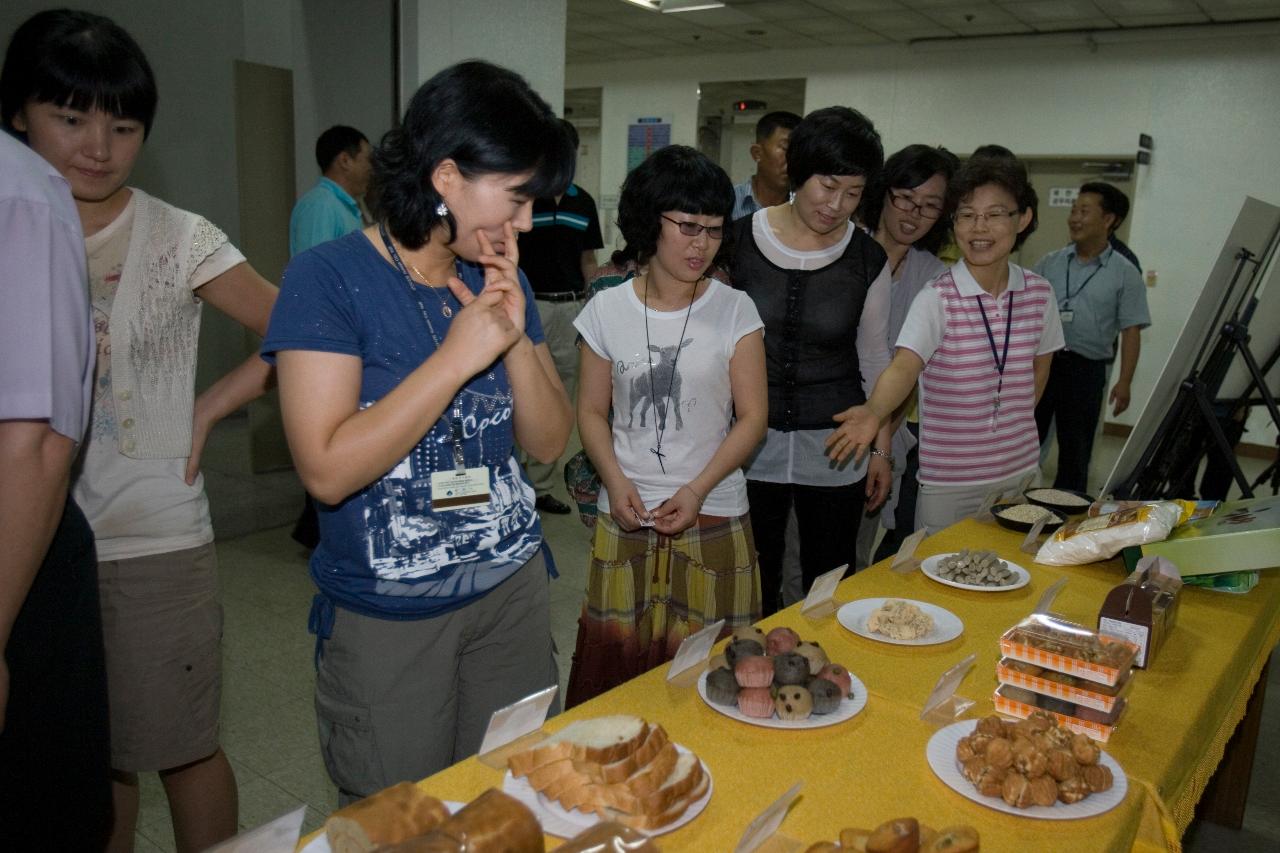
(80,89)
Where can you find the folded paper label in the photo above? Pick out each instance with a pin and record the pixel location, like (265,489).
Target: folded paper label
(823,590)
(695,649)
(518,719)
(943,702)
(276,836)
(905,561)
(763,827)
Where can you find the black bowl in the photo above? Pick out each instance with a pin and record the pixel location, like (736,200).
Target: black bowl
(1066,509)
(1025,527)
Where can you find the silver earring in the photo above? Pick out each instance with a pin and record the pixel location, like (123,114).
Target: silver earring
(442,209)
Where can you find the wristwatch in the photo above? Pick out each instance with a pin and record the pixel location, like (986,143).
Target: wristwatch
(893,463)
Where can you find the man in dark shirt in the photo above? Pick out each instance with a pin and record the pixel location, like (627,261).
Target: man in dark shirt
(559,258)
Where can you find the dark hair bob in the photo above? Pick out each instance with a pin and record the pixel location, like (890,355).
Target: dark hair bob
(487,120)
(676,177)
(78,60)
(1009,174)
(906,170)
(833,141)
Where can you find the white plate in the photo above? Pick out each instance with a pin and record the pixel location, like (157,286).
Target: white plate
(320,844)
(946,625)
(848,708)
(565,823)
(941,754)
(930,568)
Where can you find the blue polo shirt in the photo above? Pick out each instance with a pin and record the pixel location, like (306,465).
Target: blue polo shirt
(325,212)
(1104,295)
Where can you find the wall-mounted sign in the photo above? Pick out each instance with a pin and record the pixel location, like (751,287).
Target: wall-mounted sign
(1063,196)
(644,136)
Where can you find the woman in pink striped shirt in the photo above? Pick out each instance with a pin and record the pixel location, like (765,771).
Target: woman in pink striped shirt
(978,339)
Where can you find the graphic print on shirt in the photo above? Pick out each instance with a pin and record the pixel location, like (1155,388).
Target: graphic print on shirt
(406,540)
(102,292)
(659,387)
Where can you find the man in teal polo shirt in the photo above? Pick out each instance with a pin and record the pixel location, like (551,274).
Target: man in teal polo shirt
(329,210)
(1099,293)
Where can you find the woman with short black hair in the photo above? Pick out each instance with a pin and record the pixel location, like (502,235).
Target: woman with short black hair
(411,359)
(671,402)
(821,285)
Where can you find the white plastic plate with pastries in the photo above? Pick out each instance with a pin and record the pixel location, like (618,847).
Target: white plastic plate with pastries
(929,566)
(946,625)
(849,708)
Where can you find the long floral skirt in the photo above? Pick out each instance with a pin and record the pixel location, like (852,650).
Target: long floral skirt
(646,592)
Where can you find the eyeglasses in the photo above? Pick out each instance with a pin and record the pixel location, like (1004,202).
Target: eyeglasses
(928,210)
(693,229)
(994,218)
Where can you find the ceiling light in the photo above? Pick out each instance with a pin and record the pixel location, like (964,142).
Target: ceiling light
(676,5)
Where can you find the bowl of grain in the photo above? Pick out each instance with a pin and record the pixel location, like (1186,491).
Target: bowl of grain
(1023,516)
(1062,500)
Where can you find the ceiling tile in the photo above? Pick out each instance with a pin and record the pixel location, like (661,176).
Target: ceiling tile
(975,19)
(1040,12)
(816,25)
(782,10)
(858,6)
(852,36)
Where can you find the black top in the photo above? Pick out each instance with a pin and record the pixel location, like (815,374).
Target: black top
(810,327)
(551,253)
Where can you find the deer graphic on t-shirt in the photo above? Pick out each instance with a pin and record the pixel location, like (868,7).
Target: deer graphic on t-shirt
(660,388)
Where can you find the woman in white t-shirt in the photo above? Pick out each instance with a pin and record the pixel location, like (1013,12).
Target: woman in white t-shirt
(679,358)
(81,91)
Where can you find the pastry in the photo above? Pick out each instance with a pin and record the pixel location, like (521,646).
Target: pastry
(755,671)
(493,822)
(852,838)
(991,725)
(722,687)
(1098,777)
(755,702)
(839,676)
(953,839)
(901,835)
(900,620)
(790,668)
(391,816)
(999,753)
(780,641)
(1017,790)
(1084,750)
(990,781)
(1062,765)
(973,768)
(826,696)
(738,649)
(749,632)
(1031,763)
(1072,790)
(793,702)
(1044,791)
(814,654)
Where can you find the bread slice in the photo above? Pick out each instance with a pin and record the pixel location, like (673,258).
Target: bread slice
(683,778)
(600,740)
(677,807)
(588,795)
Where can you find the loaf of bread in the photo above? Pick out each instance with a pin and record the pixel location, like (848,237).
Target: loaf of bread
(609,837)
(388,817)
(491,823)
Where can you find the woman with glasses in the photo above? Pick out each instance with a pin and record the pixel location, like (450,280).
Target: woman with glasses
(679,359)
(979,339)
(904,208)
(821,285)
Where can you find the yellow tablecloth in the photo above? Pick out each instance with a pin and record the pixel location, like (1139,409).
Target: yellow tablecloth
(872,768)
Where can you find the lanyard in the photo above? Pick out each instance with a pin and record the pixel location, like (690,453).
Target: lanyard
(455,421)
(1067,304)
(1000,359)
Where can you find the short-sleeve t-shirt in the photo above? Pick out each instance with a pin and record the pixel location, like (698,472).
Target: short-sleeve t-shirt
(383,550)
(685,395)
(551,251)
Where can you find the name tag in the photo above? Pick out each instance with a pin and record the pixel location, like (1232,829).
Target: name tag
(459,489)
(1066,316)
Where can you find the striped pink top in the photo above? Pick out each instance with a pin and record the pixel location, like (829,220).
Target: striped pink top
(964,439)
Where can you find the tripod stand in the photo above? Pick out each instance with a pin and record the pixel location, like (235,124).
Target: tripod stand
(1174,452)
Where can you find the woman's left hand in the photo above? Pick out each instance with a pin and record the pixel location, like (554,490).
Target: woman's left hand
(857,428)
(201,426)
(502,274)
(677,513)
(879,482)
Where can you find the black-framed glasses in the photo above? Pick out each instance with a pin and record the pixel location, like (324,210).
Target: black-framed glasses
(928,210)
(996,218)
(693,229)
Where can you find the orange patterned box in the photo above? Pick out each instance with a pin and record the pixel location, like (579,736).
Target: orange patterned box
(1013,708)
(1102,699)
(1054,643)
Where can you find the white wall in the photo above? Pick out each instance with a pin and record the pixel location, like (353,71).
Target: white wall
(1209,102)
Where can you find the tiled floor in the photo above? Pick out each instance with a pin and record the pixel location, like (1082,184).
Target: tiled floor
(268,723)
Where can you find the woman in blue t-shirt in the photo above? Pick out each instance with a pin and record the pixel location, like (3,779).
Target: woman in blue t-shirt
(410,359)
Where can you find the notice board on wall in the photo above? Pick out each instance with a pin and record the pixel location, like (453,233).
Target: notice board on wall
(646,135)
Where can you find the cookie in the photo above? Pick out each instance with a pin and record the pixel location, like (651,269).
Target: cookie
(722,687)
(793,702)
(742,649)
(790,668)
(826,696)
(755,702)
(953,839)
(754,671)
(780,641)
(839,676)
(814,654)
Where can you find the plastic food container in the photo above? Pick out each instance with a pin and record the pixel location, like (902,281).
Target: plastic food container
(1051,642)
(1086,694)
(1099,727)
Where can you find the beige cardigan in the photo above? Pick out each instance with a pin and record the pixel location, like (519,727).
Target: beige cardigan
(155,329)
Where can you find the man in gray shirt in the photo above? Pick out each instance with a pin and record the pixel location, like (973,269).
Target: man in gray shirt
(1100,293)
(769,186)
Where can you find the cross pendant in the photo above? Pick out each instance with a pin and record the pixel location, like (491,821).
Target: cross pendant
(658,453)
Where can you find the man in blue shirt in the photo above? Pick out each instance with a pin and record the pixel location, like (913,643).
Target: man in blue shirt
(1099,293)
(769,185)
(329,210)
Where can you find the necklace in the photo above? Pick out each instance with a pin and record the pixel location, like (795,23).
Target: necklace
(444,306)
(660,414)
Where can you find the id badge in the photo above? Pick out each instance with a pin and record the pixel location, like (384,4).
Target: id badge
(1066,316)
(455,489)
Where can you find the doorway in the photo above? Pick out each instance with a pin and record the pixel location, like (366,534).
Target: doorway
(1056,181)
(727,116)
